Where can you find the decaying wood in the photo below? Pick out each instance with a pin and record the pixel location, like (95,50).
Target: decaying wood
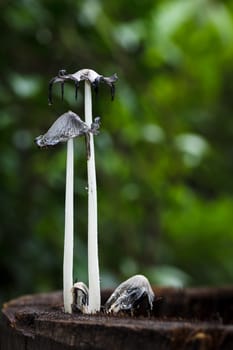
(182,319)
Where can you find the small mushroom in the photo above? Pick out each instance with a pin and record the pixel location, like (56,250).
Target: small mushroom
(84,74)
(67,126)
(130,294)
(80,297)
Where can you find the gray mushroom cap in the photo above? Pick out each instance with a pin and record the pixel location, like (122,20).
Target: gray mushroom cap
(92,76)
(80,297)
(129,293)
(67,126)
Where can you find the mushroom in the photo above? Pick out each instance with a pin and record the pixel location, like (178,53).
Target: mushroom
(65,128)
(130,294)
(84,74)
(91,79)
(80,297)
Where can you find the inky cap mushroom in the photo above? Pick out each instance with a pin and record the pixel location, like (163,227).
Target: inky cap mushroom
(84,74)
(68,125)
(130,294)
(80,297)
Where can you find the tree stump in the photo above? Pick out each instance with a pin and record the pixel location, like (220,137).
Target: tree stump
(182,319)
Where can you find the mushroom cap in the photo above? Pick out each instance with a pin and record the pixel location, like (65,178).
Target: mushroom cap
(93,77)
(84,74)
(129,293)
(80,297)
(67,126)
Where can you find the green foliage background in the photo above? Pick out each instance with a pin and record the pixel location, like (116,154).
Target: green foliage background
(164,154)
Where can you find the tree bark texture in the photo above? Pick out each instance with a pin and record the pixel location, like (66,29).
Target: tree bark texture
(182,319)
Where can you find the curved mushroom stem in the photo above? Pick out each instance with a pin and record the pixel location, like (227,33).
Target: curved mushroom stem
(69,226)
(93,261)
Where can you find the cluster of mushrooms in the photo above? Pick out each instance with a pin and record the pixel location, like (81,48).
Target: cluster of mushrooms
(135,291)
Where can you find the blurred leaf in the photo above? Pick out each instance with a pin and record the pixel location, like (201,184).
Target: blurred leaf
(194,148)
(168,276)
(25,87)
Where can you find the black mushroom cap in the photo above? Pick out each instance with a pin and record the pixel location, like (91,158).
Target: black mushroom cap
(84,74)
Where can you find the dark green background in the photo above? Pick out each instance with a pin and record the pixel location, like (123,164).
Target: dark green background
(164,154)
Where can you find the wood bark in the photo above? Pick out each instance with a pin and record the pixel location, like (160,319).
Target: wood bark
(182,319)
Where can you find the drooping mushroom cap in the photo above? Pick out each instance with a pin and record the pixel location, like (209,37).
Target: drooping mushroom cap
(84,74)
(93,77)
(68,125)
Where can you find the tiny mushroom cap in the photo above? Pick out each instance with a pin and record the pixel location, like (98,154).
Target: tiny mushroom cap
(80,297)
(128,295)
(67,126)
(84,74)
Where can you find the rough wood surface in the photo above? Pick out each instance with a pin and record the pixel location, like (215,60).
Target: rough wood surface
(182,319)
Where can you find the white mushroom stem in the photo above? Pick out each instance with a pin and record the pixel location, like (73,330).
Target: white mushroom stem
(69,228)
(93,261)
